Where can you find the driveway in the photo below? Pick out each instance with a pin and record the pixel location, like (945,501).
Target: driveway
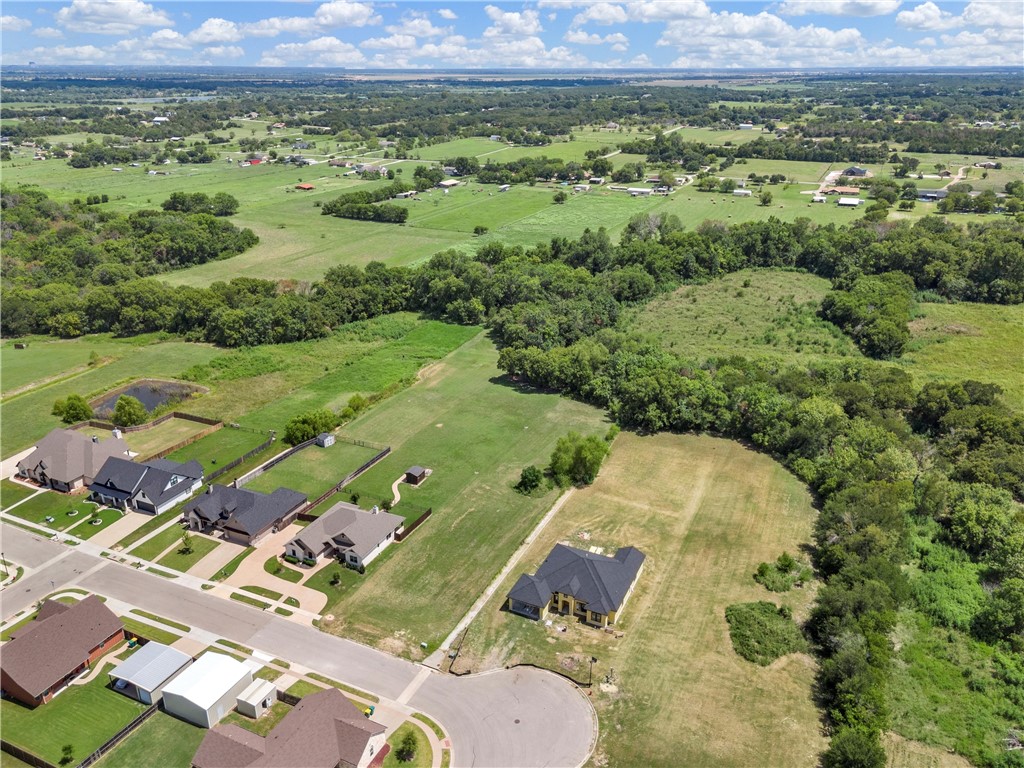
(504,719)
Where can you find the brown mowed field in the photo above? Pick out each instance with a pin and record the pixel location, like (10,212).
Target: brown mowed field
(671,691)
(905,753)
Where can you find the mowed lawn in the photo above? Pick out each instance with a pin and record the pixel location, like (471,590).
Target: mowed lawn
(219,448)
(313,470)
(84,716)
(162,740)
(147,442)
(705,512)
(753,312)
(952,342)
(47,357)
(476,431)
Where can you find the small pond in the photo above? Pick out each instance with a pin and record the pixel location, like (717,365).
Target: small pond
(152,393)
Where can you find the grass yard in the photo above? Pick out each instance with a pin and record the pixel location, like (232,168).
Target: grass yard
(275,567)
(154,546)
(302,688)
(476,430)
(465,207)
(707,512)
(265,724)
(313,470)
(12,492)
(146,528)
(65,510)
(87,528)
(181,561)
(153,617)
(84,716)
(222,447)
(422,756)
(162,740)
(232,566)
(945,336)
(147,442)
(758,313)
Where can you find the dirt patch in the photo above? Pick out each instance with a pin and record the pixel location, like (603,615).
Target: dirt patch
(905,753)
(961,329)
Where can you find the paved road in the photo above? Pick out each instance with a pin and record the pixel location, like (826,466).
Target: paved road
(502,719)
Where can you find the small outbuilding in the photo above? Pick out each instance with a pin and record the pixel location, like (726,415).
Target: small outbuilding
(448,183)
(849,202)
(207,690)
(415,475)
(144,674)
(742,192)
(819,199)
(257,698)
(325,440)
(305,186)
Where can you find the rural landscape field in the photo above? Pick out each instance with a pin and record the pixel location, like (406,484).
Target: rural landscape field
(511,417)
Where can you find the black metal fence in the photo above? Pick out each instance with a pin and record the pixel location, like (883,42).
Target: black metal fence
(118,737)
(243,458)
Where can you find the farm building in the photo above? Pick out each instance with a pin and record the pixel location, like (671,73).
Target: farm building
(988,165)
(152,487)
(324,730)
(305,186)
(855,170)
(407,194)
(66,460)
(243,516)
(944,174)
(849,202)
(257,698)
(742,192)
(347,533)
(842,190)
(144,674)
(448,183)
(415,475)
(639,191)
(504,187)
(60,644)
(593,588)
(325,440)
(819,199)
(581,188)
(598,180)
(746,126)
(207,690)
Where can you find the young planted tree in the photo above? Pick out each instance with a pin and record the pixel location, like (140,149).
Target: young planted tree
(407,749)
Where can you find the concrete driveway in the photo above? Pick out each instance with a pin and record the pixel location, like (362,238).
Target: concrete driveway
(504,719)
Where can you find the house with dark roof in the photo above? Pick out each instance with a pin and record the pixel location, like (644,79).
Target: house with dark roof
(592,587)
(324,730)
(348,533)
(66,460)
(855,170)
(243,516)
(153,486)
(62,643)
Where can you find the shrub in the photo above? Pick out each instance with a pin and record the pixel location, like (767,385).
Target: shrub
(291,559)
(781,575)
(310,561)
(72,409)
(529,479)
(129,411)
(761,632)
(854,748)
(309,425)
(576,460)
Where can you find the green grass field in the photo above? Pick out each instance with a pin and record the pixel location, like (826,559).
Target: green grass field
(758,313)
(476,431)
(86,529)
(313,470)
(148,442)
(46,357)
(706,512)
(222,447)
(422,754)
(56,505)
(84,716)
(12,493)
(181,561)
(162,740)
(154,546)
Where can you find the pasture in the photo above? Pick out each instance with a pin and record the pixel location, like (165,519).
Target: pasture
(476,430)
(756,313)
(47,359)
(707,512)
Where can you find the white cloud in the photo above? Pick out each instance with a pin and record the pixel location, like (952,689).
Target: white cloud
(927,16)
(579,37)
(224,52)
(860,8)
(343,13)
(987,13)
(216,30)
(111,17)
(659,10)
(512,23)
(394,42)
(327,51)
(66,54)
(643,60)
(447,13)
(929,41)
(418,26)
(168,39)
(50,33)
(600,13)
(274,26)
(14,24)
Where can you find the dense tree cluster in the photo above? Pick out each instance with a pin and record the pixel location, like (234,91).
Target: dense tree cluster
(221,204)
(361,204)
(873,310)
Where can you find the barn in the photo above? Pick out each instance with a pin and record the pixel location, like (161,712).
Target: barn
(207,690)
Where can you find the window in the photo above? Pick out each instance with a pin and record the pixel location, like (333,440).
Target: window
(174,480)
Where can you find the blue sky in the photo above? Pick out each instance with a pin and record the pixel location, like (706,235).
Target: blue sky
(691,34)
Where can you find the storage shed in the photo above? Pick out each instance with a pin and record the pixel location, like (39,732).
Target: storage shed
(849,202)
(207,690)
(742,192)
(257,698)
(325,439)
(415,475)
(144,674)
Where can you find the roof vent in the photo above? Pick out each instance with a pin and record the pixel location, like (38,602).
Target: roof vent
(95,438)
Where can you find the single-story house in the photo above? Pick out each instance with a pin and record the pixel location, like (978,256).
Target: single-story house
(944,174)
(154,486)
(415,475)
(207,690)
(597,180)
(594,588)
(348,533)
(324,730)
(338,163)
(305,186)
(161,119)
(325,440)
(742,192)
(849,202)
(66,460)
(448,183)
(495,137)
(842,190)
(257,698)
(144,674)
(988,165)
(855,170)
(244,516)
(931,195)
(62,643)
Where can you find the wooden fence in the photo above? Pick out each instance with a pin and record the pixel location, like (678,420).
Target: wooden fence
(24,755)
(288,698)
(118,737)
(98,424)
(414,525)
(182,443)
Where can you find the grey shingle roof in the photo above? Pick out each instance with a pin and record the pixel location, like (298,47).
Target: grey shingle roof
(599,581)
(66,455)
(244,510)
(349,528)
(150,666)
(151,478)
